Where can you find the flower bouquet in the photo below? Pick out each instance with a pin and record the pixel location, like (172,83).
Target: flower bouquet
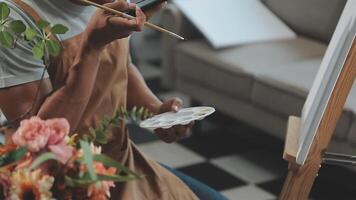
(42,162)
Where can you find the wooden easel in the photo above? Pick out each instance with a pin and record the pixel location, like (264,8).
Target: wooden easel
(300,179)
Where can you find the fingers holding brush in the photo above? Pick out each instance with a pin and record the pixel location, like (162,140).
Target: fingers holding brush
(106,26)
(134,24)
(122,13)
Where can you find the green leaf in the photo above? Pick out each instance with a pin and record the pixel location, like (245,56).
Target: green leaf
(59,29)
(17,26)
(140,112)
(133,113)
(43,158)
(4,11)
(39,50)
(30,34)
(6,39)
(92,133)
(77,182)
(53,47)
(42,24)
(116,178)
(17,154)
(86,138)
(109,162)
(101,137)
(13,156)
(2,160)
(85,181)
(88,159)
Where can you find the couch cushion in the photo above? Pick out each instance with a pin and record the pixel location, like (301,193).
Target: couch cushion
(312,18)
(283,90)
(232,70)
(197,62)
(235,107)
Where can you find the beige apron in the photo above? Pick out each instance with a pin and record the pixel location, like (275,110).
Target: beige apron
(109,94)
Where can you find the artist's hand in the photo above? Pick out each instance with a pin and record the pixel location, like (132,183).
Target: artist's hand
(174,133)
(105,27)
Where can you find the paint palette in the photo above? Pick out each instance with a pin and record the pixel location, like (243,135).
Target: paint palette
(182,117)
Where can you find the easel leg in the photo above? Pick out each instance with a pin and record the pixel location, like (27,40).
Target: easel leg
(299,181)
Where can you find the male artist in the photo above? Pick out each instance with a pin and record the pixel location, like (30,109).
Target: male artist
(91,79)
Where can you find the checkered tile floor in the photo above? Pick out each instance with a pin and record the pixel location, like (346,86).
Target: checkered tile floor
(241,162)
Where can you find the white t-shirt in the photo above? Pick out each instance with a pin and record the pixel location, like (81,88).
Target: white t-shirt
(74,16)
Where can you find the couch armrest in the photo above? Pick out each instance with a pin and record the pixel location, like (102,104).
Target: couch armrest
(172,19)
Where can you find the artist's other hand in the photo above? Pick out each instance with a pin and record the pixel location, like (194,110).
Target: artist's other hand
(174,133)
(105,27)
(149,13)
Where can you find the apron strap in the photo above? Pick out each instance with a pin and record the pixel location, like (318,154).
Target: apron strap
(32,13)
(28,10)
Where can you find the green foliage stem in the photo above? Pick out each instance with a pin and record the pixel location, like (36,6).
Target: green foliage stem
(100,134)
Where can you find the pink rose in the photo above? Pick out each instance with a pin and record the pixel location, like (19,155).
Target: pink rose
(63,151)
(56,143)
(32,133)
(37,134)
(59,130)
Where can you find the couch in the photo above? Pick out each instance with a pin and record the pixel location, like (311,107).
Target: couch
(261,84)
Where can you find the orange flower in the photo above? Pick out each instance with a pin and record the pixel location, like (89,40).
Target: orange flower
(101,190)
(27,184)
(7,148)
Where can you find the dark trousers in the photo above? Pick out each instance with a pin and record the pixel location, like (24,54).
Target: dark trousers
(202,191)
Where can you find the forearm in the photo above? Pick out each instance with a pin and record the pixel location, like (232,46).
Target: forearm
(71,99)
(138,93)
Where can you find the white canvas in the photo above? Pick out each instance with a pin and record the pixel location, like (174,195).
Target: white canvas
(234,22)
(326,78)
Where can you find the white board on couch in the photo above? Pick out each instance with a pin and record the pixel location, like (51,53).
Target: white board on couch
(234,22)
(326,79)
